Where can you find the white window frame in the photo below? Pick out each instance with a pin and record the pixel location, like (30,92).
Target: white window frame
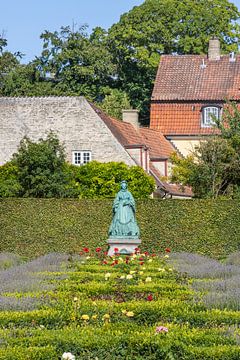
(207,111)
(81,157)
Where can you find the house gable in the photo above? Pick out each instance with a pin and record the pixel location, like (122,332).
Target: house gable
(185,85)
(73,120)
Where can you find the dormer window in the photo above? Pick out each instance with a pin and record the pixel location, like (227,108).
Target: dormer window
(209,113)
(81,157)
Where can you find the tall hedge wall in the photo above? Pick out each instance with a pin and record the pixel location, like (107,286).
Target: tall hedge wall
(32,227)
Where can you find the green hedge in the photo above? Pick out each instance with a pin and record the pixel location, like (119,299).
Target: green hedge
(32,227)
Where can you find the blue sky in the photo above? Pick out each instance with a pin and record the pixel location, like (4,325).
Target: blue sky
(24,20)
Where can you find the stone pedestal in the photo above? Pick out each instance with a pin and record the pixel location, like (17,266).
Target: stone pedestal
(126,246)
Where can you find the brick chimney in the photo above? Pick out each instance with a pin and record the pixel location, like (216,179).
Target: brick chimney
(214,49)
(131,116)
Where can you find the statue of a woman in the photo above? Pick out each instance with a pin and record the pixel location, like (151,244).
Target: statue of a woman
(124,223)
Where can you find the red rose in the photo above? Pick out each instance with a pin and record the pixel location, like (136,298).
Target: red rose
(141,263)
(86,250)
(137,250)
(127,257)
(105,262)
(150,297)
(141,259)
(127,261)
(168,250)
(105,252)
(98,249)
(146,253)
(115,261)
(116,250)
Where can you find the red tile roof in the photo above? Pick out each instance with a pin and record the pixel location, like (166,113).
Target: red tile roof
(127,135)
(124,132)
(182,77)
(172,189)
(159,146)
(179,119)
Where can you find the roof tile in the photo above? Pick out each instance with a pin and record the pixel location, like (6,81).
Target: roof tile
(181,77)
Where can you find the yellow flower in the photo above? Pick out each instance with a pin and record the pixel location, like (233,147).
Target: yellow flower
(161,269)
(124,312)
(150,260)
(166,256)
(85,317)
(148,279)
(122,277)
(140,272)
(88,257)
(130,313)
(129,276)
(75,299)
(106,318)
(94,317)
(170,269)
(73,317)
(107,276)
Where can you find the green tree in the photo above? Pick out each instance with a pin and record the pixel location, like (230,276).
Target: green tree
(212,171)
(41,168)
(101,180)
(229,124)
(214,167)
(8,62)
(114,102)
(75,62)
(26,80)
(164,27)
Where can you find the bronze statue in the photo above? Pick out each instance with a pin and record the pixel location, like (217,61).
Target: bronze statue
(124,223)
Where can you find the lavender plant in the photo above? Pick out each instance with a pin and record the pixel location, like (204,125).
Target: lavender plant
(22,303)
(9,259)
(28,277)
(234,258)
(199,266)
(219,283)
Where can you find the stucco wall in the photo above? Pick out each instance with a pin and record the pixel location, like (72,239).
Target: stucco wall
(185,147)
(161,166)
(73,120)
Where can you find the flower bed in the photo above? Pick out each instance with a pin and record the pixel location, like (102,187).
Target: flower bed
(123,307)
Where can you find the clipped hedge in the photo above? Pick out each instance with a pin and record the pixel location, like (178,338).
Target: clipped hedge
(32,227)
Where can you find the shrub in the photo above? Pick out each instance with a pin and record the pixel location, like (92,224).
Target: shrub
(33,227)
(9,184)
(97,180)
(41,167)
